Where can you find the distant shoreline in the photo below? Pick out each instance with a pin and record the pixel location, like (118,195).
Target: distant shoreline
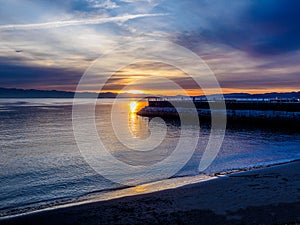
(278,176)
(33,93)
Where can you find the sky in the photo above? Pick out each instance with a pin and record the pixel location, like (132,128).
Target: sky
(250,46)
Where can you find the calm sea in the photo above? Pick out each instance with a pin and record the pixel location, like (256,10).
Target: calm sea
(41,165)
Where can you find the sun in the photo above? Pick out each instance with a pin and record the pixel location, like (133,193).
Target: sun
(135,92)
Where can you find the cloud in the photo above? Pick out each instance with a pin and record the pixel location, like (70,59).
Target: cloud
(248,44)
(28,76)
(258,27)
(107,4)
(57,24)
(274,25)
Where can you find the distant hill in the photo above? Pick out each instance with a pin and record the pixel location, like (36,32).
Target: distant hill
(32,93)
(272,95)
(266,95)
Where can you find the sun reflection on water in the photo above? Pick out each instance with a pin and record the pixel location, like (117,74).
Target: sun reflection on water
(138,126)
(133,106)
(140,189)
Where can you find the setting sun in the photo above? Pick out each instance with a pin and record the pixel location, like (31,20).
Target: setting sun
(135,92)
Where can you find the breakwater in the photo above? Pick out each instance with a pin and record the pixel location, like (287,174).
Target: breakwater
(285,111)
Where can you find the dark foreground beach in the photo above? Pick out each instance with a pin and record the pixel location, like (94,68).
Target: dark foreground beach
(262,196)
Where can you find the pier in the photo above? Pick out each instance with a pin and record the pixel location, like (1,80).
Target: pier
(264,111)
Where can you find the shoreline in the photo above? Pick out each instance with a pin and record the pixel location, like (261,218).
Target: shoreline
(187,198)
(160,185)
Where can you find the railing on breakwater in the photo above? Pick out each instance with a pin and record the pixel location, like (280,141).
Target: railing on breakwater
(289,105)
(205,99)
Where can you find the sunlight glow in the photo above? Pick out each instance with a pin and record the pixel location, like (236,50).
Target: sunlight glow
(135,92)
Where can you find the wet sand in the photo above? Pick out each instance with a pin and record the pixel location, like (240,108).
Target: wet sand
(262,196)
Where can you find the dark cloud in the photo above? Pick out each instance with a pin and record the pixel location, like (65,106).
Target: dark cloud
(261,27)
(261,80)
(23,76)
(278,24)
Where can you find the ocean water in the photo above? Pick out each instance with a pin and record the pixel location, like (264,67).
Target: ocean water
(41,165)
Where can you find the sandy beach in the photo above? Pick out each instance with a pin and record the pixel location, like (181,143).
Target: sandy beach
(262,196)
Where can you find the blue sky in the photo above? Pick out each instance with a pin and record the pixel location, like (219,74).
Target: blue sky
(251,45)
